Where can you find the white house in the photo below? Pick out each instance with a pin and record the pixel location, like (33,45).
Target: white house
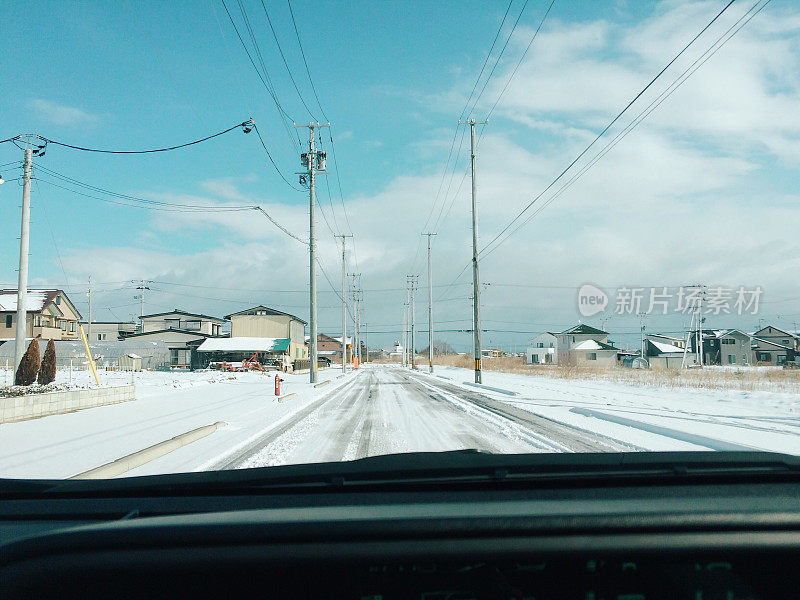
(543,350)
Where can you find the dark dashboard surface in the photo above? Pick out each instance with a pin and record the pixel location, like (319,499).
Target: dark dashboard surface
(726,541)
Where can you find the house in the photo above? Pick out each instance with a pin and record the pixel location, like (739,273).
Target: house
(732,347)
(331,348)
(773,346)
(724,347)
(585,344)
(663,355)
(181,320)
(543,350)
(492,353)
(593,353)
(109,331)
(264,322)
(50,315)
(667,339)
(181,331)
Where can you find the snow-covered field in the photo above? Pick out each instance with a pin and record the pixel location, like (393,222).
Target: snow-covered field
(759,420)
(383,409)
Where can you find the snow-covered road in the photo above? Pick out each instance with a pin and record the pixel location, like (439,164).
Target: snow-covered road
(386,409)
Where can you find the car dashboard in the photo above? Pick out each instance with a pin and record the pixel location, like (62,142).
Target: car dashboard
(724,541)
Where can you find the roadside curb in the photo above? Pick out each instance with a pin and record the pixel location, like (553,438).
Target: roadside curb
(137,459)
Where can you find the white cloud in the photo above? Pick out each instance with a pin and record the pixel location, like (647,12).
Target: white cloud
(61,114)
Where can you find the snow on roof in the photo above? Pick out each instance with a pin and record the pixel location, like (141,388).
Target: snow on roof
(664,348)
(34,302)
(593,345)
(587,345)
(244,344)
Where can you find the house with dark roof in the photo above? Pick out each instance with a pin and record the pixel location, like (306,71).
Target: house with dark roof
(773,346)
(50,315)
(580,344)
(264,322)
(181,331)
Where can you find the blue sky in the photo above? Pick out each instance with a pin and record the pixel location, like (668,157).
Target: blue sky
(703,190)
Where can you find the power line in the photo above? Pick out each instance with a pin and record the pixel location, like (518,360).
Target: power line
(279,226)
(136,199)
(261,139)
(499,56)
(265,82)
(285,62)
(305,62)
(167,208)
(654,104)
(485,61)
(521,58)
(610,124)
(244,125)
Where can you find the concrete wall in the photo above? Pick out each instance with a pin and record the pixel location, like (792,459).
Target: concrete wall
(33,406)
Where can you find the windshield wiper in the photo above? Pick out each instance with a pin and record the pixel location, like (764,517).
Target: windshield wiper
(464,467)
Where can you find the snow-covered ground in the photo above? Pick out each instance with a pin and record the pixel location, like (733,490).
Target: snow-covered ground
(385,409)
(630,413)
(167,404)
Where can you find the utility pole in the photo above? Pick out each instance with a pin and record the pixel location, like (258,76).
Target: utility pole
(24,245)
(403,336)
(344,304)
(641,328)
(356,332)
(366,339)
(142,287)
(430,307)
(412,281)
(407,326)
(89,294)
(476,287)
(313,161)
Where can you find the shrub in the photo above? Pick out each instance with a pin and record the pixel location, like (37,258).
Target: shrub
(29,365)
(47,372)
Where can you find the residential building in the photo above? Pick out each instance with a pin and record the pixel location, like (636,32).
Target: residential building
(667,339)
(572,349)
(591,352)
(109,331)
(663,355)
(182,332)
(723,347)
(331,347)
(264,322)
(773,346)
(50,315)
(182,320)
(543,350)
(581,344)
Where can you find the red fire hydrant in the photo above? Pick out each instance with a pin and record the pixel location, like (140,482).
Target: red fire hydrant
(278,384)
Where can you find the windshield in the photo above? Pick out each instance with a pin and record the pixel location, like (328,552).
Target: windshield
(249,234)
